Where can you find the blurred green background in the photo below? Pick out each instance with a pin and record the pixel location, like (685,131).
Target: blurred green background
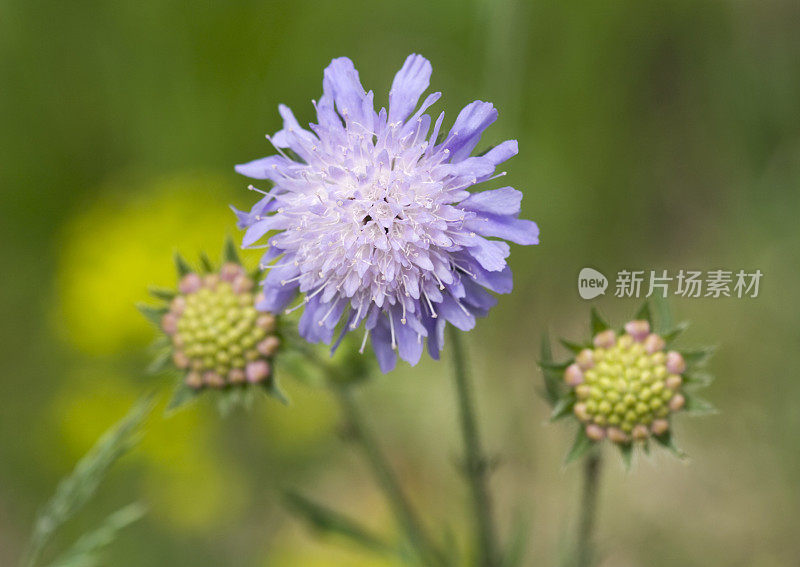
(653,135)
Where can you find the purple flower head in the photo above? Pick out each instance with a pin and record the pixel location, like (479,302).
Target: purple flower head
(373,222)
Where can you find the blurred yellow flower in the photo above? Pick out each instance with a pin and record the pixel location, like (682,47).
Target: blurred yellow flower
(122,243)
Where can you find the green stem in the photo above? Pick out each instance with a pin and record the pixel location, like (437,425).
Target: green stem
(591,483)
(387,480)
(475,462)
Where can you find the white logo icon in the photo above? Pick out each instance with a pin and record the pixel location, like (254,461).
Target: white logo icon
(591,283)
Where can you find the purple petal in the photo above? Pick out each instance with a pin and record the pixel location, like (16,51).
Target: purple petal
(265,168)
(435,328)
(503,201)
(261,227)
(341,82)
(468,127)
(502,152)
(408,85)
(291,128)
(506,227)
(456,314)
(276,298)
(409,343)
(381,337)
(490,254)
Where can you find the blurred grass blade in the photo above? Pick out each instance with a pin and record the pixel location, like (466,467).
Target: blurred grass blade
(514,555)
(327,521)
(86,551)
(74,491)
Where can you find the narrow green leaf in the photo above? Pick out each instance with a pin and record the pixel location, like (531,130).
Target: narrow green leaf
(229,252)
(274,390)
(553,384)
(162,293)
(663,320)
(563,407)
(151,313)
(74,491)
(182,266)
(644,314)
(574,347)
(675,332)
(160,362)
(697,357)
(598,323)
(580,446)
(697,379)
(329,522)
(205,263)
(698,406)
(666,441)
(85,552)
(182,395)
(555,365)
(518,543)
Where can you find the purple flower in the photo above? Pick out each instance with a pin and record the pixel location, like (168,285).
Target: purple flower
(373,221)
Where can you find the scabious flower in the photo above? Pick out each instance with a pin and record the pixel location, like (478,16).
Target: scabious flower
(213,334)
(372,221)
(625,385)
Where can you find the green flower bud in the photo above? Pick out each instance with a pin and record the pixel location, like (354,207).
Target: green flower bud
(626,385)
(216,333)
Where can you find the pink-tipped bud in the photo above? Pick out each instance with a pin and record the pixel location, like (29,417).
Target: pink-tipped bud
(210,281)
(236,376)
(269,345)
(677,402)
(653,343)
(194,380)
(180,359)
(675,363)
(605,339)
(230,271)
(595,432)
(673,382)
(212,379)
(190,283)
(617,435)
(177,305)
(169,323)
(640,432)
(573,375)
(581,412)
(638,329)
(659,426)
(266,321)
(585,359)
(257,371)
(242,284)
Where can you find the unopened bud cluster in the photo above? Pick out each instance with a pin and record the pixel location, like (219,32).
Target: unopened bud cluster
(217,334)
(627,386)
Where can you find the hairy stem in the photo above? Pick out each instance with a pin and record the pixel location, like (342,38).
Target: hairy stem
(475,462)
(387,480)
(588,512)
